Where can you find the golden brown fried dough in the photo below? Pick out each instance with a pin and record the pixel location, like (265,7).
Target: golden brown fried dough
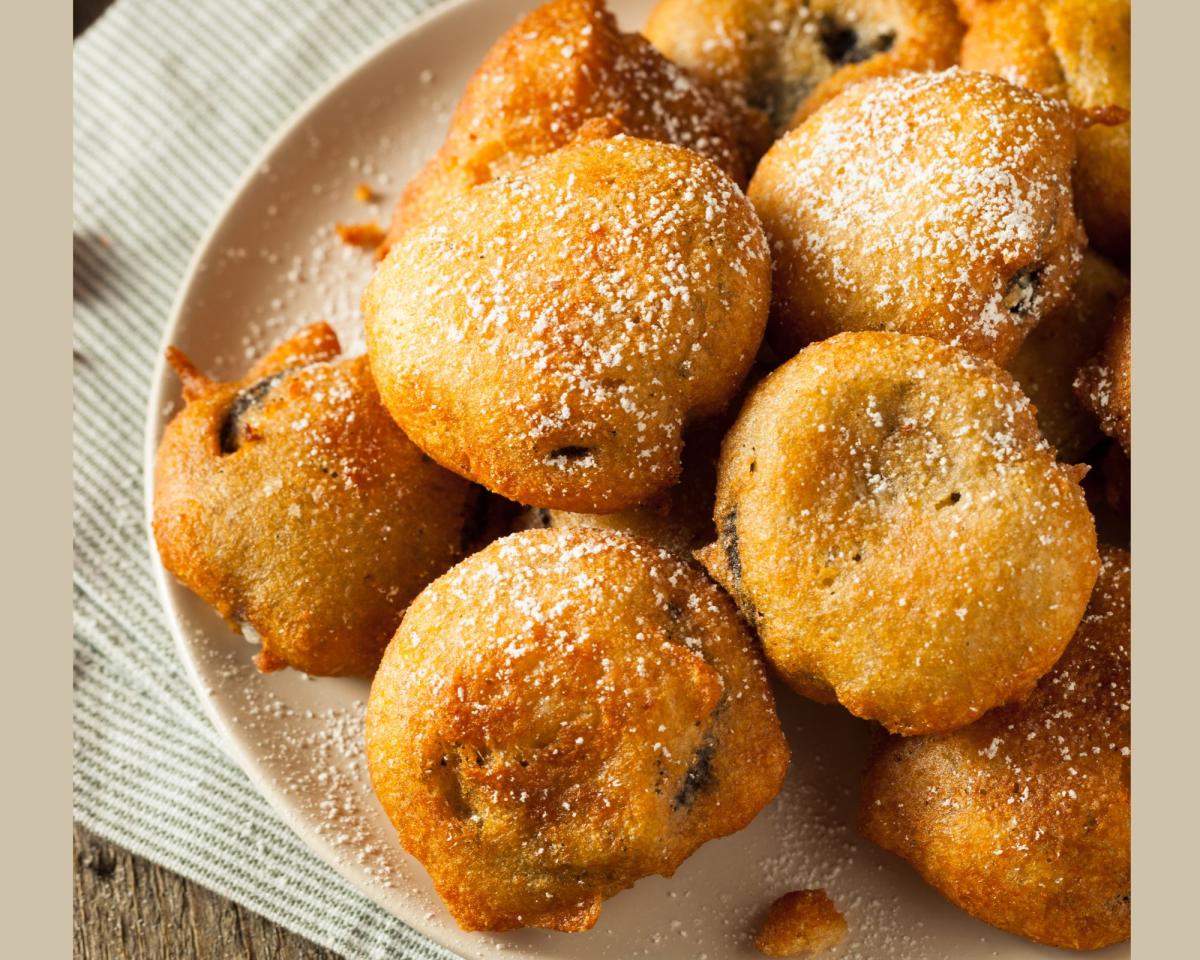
(936,204)
(1050,358)
(564,64)
(1022,819)
(561,714)
(1104,386)
(899,533)
(788,57)
(801,923)
(1078,51)
(679,518)
(292,504)
(553,332)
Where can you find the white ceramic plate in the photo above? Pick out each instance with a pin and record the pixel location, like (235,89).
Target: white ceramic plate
(271,264)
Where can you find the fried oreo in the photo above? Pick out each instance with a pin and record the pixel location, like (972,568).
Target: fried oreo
(1077,51)
(788,57)
(563,65)
(561,714)
(553,332)
(899,533)
(292,504)
(936,204)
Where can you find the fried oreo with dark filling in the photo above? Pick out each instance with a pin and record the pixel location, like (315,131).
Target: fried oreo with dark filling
(561,714)
(553,332)
(788,57)
(292,504)
(893,524)
(936,204)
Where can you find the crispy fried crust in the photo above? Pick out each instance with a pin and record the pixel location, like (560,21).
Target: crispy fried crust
(553,332)
(561,714)
(893,524)
(1022,819)
(1078,51)
(790,57)
(1050,358)
(291,503)
(801,923)
(564,64)
(1104,386)
(936,204)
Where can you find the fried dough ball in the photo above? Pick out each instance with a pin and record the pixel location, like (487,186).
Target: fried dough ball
(564,64)
(801,923)
(552,333)
(1049,359)
(788,57)
(293,505)
(564,713)
(1022,819)
(1104,385)
(679,518)
(936,204)
(1078,51)
(900,534)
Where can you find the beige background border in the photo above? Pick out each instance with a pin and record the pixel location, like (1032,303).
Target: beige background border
(1166,674)
(36,535)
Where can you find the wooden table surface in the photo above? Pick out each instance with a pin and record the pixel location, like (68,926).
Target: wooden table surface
(127,908)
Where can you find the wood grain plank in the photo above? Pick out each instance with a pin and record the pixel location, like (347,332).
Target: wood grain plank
(127,908)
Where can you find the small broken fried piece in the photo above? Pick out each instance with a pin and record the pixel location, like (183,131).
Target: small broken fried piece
(799,924)
(367,236)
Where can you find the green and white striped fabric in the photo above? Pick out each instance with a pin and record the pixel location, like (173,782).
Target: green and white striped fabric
(172,101)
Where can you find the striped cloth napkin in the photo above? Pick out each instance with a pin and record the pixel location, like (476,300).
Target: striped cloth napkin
(172,102)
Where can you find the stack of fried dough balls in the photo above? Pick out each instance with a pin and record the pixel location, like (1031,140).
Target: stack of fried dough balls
(831,431)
